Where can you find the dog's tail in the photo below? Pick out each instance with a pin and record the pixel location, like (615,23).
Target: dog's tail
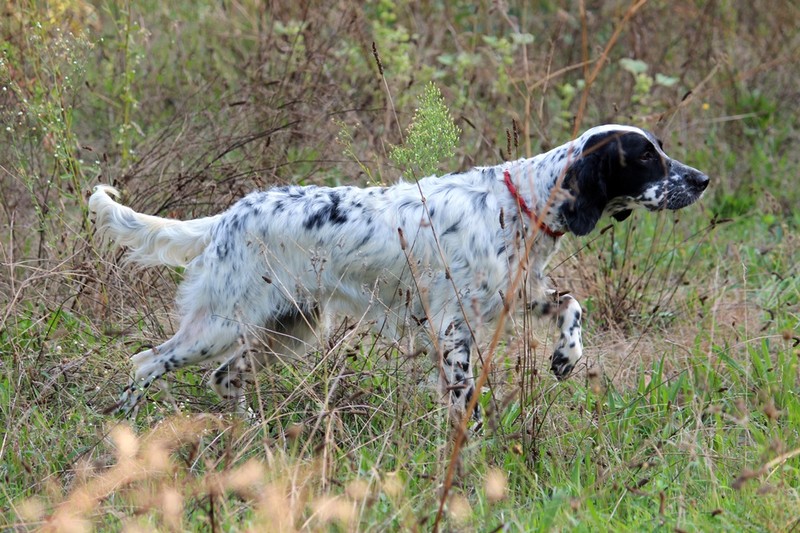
(150,240)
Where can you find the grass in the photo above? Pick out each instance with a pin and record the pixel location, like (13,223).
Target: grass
(686,414)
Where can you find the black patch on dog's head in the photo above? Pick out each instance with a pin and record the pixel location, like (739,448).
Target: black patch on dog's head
(586,180)
(613,164)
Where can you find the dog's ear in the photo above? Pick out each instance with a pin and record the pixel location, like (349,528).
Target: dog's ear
(586,180)
(622,215)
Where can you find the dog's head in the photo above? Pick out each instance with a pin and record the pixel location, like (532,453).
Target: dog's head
(618,168)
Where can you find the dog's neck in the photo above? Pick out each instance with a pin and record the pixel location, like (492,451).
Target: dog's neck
(522,205)
(537,185)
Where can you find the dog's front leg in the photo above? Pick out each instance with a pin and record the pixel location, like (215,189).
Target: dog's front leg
(569,348)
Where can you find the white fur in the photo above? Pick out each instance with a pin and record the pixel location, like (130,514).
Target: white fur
(150,240)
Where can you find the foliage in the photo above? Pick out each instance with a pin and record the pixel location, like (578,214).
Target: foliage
(686,414)
(431,138)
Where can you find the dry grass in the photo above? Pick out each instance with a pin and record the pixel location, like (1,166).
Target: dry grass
(685,415)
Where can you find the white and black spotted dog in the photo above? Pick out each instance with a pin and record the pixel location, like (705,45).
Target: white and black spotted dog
(436,255)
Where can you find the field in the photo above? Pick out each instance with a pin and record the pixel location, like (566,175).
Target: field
(684,414)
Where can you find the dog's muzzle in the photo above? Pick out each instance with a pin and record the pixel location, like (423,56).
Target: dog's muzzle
(687,185)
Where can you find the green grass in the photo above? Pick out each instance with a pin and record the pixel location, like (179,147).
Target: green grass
(686,416)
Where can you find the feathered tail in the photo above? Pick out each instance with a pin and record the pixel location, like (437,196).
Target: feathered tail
(150,240)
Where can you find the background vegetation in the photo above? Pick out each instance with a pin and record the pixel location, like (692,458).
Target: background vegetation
(686,413)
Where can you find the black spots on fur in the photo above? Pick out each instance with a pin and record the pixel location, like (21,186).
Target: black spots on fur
(576,320)
(408,204)
(502,219)
(330,213)
(462,346)
(266,278)
(457,393)
(204,352)
(365,239)
(459,377)
(479,202)
(337,216)
(277,207)
(452,229)
(431,211)
(234,223)
(501,249)
(223,249)
(470,392)
(464,365)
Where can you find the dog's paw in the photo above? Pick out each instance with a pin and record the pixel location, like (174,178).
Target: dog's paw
(459,407)
(129,401)
(560,365)
(565,357)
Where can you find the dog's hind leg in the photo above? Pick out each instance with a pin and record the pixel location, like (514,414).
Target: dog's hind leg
(290,336)
(201,337)
(229,378)
(455,346)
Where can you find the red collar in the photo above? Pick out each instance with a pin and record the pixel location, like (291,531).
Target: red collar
(527,210)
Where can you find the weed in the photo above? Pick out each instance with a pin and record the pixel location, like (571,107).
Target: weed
(686,415)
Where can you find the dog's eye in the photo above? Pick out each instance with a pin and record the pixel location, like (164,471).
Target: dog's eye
(646,156)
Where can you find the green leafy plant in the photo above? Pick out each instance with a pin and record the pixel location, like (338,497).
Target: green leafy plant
(644,83)
(431,138)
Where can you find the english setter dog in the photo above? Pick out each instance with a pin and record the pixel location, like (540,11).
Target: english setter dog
(436,255)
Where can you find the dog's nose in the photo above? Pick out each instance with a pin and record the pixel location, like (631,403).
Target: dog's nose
(698,180)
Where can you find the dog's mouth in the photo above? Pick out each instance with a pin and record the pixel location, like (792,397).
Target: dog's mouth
(684,186)
(682,198)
